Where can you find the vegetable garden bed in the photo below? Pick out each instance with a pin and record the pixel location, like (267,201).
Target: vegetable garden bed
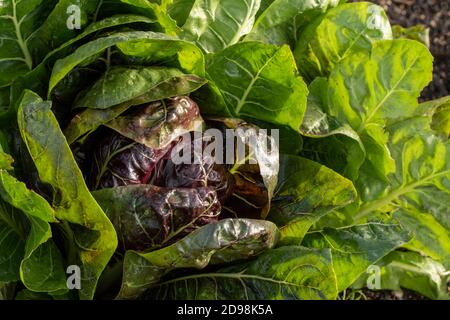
(334,179)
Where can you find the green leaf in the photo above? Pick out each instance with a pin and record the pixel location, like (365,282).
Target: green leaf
(4,99)
(282,21)
(439,109)
(356,248)
(258,81)
(290,141)
(95,27)
(37,80)
(12,231)
(12,242)
(432,237)
(180,10)
(328,141)
(419,188)
(163,84)
(6,161)
(108,90)
(215,25)
(280,274)
(217,243)
(441,119)
(7,291)
(16,26)
(30,29)
(150,50)
(342,31)
(317,123)
(263,7)
(32,253)
(56,165)
(16,193)
(412,271)
(90,119)
(159,12)
(41,268)
(338,152)
(134,43)
(54,31)
(306,191)
(367,91)
(419,33)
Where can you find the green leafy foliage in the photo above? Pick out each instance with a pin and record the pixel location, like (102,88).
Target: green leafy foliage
(342,31)
(150,84)
(227,241)
(180,10)
(95,237)
(419,33)
(366,103)
(7,291)
(284,273)
(439,111)
(256,73)
(419,189)
(135,43)
(306,192)
(356,248)
(17,194)
(283,20)
(37,79)
(431,235)
(159,12)
(12,245)
(41,267)
(106,92)
(29,30)
(90,117)
(214,27)
(412,271)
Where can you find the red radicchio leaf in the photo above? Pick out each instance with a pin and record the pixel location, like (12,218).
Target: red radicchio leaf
(148,216)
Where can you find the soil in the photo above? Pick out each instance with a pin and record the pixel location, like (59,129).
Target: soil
(393,295)
(435,14)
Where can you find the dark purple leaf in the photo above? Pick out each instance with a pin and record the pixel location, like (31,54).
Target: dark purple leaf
(119,161)
(201,171)
(147,216)
(158,124)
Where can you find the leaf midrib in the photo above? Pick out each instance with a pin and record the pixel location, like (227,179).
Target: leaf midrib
(238,276)
(8,220)
(364,123)
(238,33)
(396,194)
(19,39)
(255,78)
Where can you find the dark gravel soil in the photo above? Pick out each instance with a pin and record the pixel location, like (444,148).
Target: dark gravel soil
(366,294)
(390,295)
(435,14)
